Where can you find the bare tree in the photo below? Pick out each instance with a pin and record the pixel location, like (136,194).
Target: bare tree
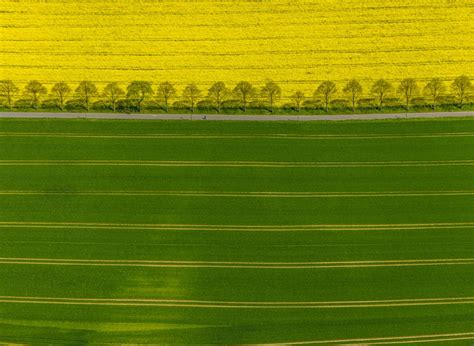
(60,91)
(298,98)
(8,90)
(408,89)
(112,93)
(272,92)
(166,91)
(85,92)
(35,90)
(461,86)
(244,91)
(218,93)
(139,91)
(434,89)
(327,89)
(381,89)
(191,94)
(353,90)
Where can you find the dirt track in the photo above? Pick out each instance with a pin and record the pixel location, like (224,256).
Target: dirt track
(234,117)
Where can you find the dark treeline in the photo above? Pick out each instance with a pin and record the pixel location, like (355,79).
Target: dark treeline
(142,95)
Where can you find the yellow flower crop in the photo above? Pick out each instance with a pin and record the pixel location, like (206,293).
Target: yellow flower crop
(296,43)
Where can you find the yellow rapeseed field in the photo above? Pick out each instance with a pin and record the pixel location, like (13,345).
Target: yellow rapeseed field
(296,43)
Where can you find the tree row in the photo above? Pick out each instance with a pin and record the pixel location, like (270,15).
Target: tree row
(244,95)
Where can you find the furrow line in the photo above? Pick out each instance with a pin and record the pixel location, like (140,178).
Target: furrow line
(233,265)
(237,228)
(235,136)
(235,163)
(237,305)
(246,194)
(391,339)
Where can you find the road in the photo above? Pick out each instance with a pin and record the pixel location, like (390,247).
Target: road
(235,117)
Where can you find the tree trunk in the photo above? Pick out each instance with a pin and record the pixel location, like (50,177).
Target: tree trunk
(87,102)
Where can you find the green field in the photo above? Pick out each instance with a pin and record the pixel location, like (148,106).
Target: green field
(228,232)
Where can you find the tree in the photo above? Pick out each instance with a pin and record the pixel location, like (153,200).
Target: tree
(35,90)
(461,87)
(60,91)
(166,91)
(139,91)
(191,94)
(218,93)
(381,89)
(112,93)
(85,92)
(244,91)
(408,88)
(298,98)
(272,92)
(434,89)
(353,90)
(8,90)
(327,89)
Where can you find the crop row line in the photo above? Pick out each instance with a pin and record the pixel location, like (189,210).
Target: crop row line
(393,340)
(234,265)
(236,136)
(245,194)
(237,228)
(258,164)
(238,305)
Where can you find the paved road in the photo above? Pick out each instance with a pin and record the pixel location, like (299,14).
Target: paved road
(234,117)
